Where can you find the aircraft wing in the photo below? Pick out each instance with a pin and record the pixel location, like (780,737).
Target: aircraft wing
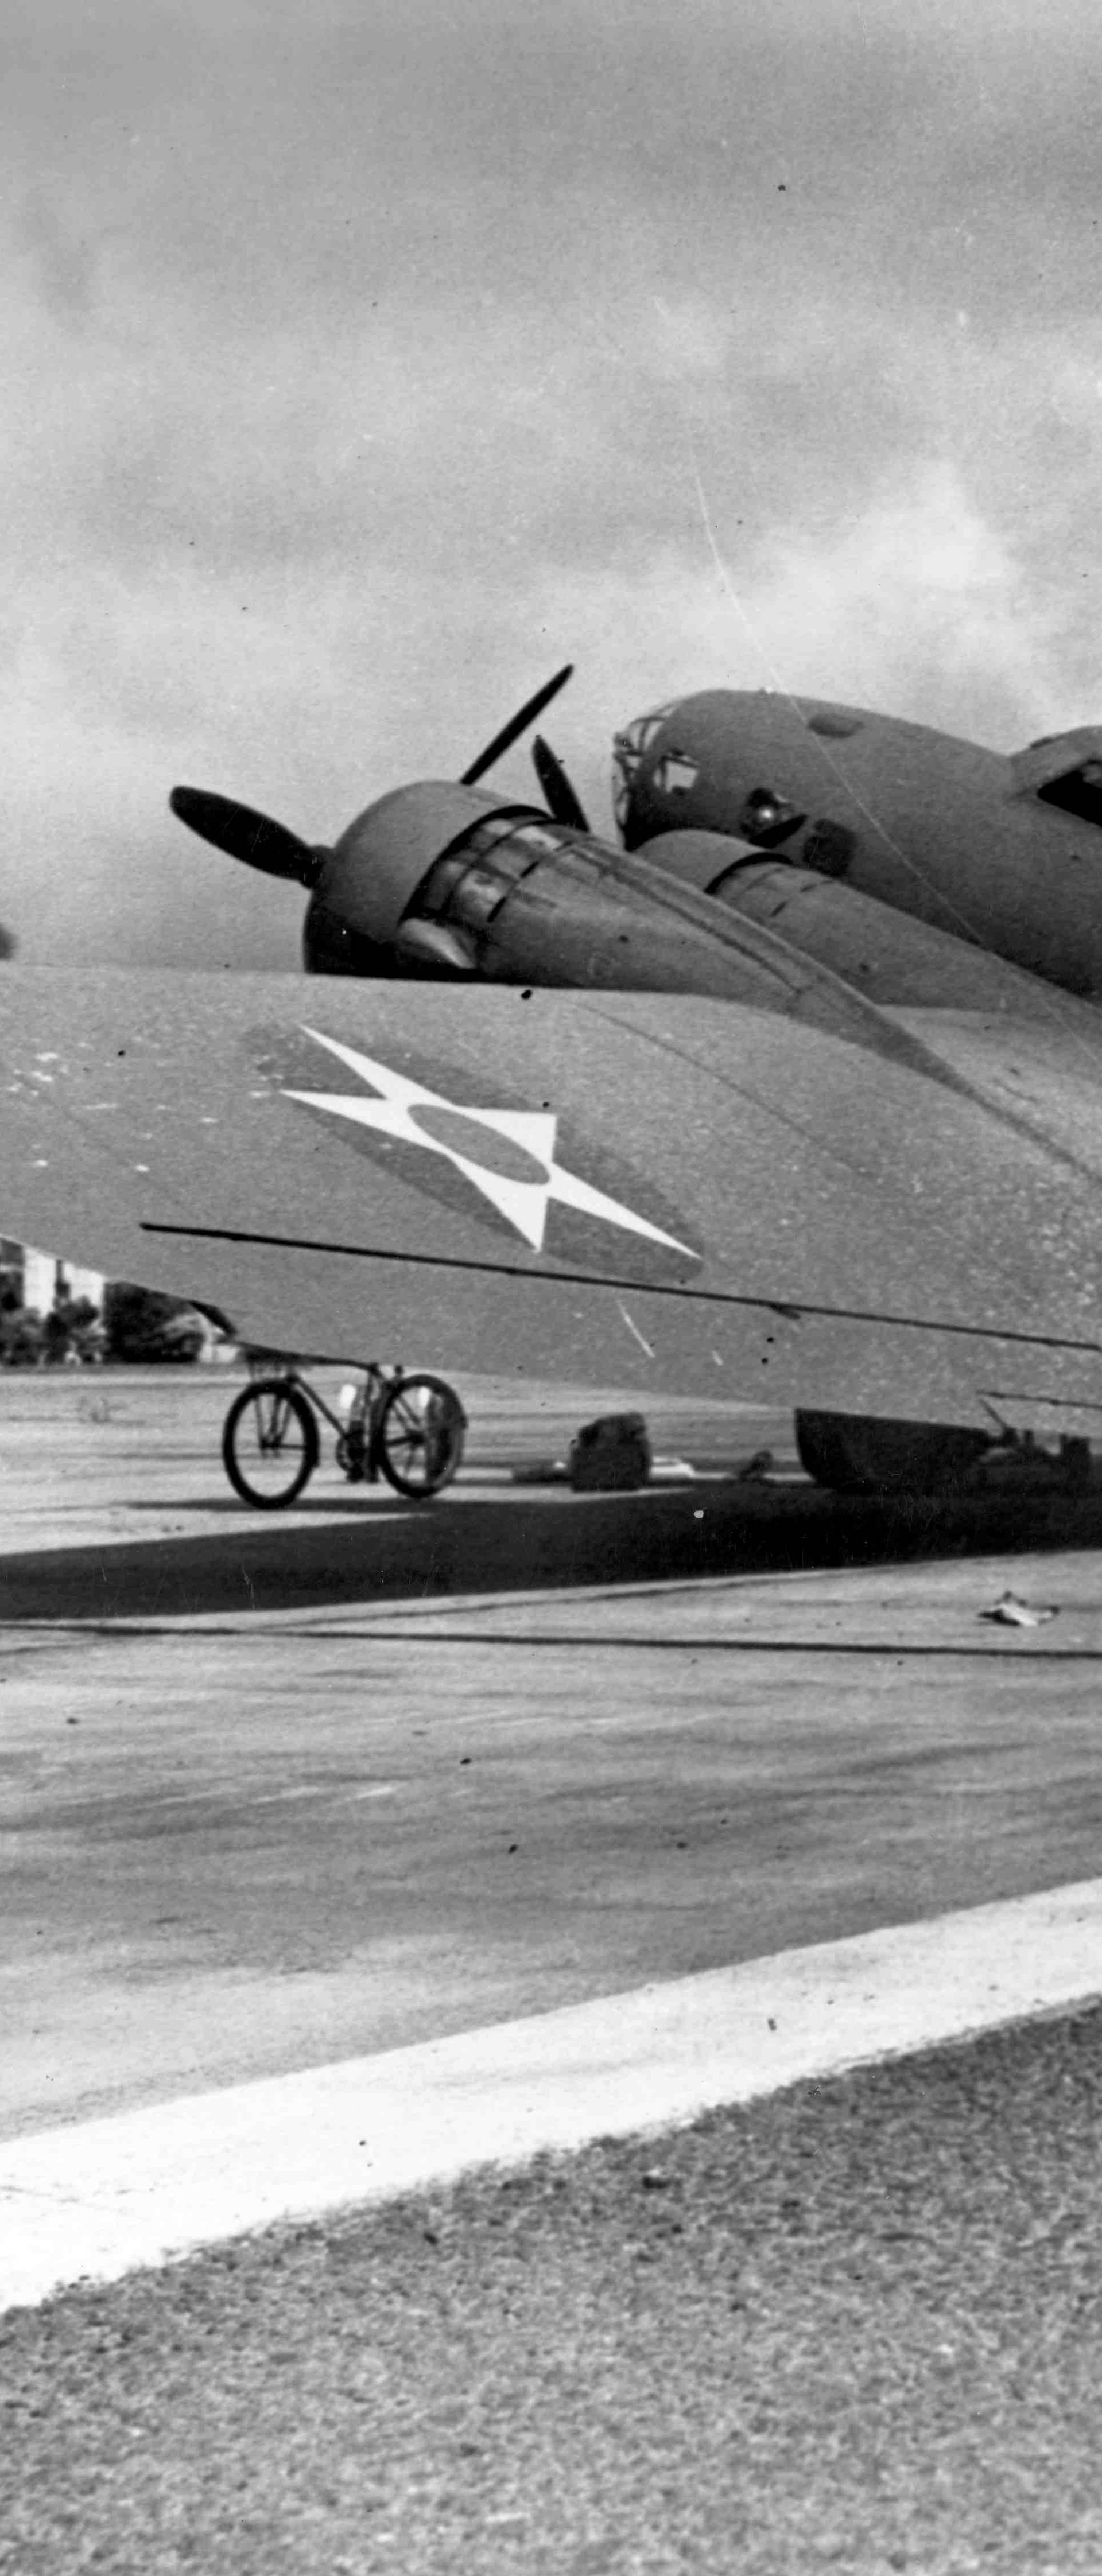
(1044,1071)
(626,1189)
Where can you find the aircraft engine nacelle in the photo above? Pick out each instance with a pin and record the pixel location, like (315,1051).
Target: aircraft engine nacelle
(514,897)
(440,880)
(888,956)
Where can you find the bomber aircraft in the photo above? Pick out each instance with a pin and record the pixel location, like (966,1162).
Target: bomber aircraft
(444,880)
(905,860)
(870,1189)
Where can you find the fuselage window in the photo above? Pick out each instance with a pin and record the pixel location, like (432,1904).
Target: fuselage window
(1078,792)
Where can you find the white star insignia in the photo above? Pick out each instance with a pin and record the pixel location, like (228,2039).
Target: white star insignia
(522,1201)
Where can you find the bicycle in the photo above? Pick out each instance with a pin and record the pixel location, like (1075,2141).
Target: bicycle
(408,1428)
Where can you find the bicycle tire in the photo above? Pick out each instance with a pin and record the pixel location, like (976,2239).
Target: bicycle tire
(418,1435)
(243,1451)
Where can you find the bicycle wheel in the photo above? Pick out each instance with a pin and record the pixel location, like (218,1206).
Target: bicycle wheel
(418,1436)
(270,1444)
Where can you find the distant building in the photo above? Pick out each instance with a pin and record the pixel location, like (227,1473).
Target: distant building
(35,1280)
(36,1277)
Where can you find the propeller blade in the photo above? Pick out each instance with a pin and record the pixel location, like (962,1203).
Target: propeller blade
(244,834)
(559,797)
(503,741)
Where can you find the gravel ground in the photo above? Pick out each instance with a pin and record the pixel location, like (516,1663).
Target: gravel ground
(858,2325)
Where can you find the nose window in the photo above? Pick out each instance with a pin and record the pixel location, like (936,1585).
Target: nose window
(675,773)
(628,749)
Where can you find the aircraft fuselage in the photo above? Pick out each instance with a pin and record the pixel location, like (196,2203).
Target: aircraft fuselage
(974,842)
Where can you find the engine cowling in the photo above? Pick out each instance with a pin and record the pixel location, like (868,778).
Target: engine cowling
(367,889)
(889,956)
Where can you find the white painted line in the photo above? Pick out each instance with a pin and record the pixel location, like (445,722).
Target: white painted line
(96,2200)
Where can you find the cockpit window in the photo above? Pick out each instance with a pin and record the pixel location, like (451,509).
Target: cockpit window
(834,723)
(1079,791)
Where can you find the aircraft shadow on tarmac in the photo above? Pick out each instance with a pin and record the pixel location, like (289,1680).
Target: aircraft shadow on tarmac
(535,1542)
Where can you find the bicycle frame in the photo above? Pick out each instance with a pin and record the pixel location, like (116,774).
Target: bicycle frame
(360,1460)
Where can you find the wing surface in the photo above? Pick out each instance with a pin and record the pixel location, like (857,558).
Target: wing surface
(1043,1070)
(630,1189)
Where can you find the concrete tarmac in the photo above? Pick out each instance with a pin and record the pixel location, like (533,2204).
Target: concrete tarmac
(280,1791)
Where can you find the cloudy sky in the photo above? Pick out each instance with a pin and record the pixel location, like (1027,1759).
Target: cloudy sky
(368,358)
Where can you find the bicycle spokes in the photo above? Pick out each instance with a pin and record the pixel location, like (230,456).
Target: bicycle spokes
(270,1444)
(419,1435)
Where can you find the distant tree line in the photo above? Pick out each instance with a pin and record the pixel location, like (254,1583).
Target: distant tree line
(133,1324)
